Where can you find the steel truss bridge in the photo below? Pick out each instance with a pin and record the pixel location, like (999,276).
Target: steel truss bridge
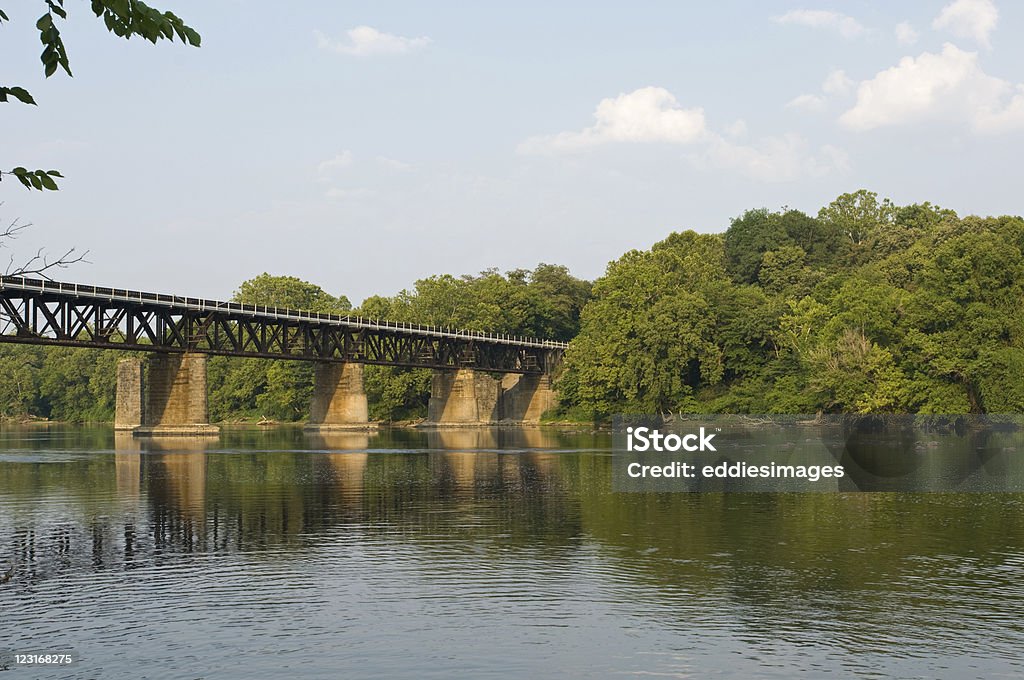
(43,312)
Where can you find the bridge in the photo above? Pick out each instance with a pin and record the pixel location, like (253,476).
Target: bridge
(477,377)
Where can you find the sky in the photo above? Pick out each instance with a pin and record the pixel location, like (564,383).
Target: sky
(365,145)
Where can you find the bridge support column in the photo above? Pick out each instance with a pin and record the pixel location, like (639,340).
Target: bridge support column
(128,408)
(339,400)
(175,397)
(463,397)
(525,398)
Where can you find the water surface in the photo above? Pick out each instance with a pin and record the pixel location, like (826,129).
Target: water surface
(480,553)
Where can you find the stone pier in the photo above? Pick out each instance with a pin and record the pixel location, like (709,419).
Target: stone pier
(525,398)
(174,397)
(463,397)
(128,410)
(339,400)
(468,397)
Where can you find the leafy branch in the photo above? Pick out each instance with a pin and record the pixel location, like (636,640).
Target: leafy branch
(35,179)
(123,18)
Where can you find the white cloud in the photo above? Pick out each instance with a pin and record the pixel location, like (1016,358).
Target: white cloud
(737,128)
(653,114)
(974,19)
(338,162)
(807,102)
(847,26)
(906,34)
(837,82)
(776,159)
(950,86)
(650,114)
(393,164)
(342,194)
(366,41)
(1002,118)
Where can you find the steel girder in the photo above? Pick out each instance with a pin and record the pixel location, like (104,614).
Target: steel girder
(83,316)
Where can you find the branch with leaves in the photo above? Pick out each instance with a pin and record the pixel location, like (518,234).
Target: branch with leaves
(123,18)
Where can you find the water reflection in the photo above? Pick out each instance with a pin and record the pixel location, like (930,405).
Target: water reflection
(496,552)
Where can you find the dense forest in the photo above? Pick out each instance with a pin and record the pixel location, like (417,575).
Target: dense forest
(865,307)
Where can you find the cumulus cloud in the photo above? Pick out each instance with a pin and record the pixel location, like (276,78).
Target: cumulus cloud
(737,128)
(906,34)
(847,26)
(650,114)
(393,164)
(837,82)
(949,86)
(776,159)
(337,162)
(653,114)
(346,194)
(366,41)
(975,19)
(806,102)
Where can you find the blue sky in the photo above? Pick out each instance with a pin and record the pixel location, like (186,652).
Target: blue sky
(365,145)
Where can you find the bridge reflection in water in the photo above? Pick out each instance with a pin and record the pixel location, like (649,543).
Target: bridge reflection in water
(238,490)
(507,543)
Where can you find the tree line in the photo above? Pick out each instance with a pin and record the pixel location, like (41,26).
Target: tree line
(865,307)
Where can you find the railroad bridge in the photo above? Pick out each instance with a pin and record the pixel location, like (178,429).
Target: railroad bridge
(478,378)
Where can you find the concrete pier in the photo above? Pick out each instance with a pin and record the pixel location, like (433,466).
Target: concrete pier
(468,397)
(525,398)
(463,397)
(175,397)
(339,400)
(129,405)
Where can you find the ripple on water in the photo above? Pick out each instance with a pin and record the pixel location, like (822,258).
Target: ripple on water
(279,562)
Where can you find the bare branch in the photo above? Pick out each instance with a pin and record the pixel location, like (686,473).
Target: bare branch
(12,230)
(39,264)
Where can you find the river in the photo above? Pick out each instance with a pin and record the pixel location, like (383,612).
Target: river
(479,553)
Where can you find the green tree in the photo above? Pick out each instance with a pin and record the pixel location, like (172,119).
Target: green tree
(278,390)
(747,239)
(964,326)
(545,303)
(647,336)
(289,292)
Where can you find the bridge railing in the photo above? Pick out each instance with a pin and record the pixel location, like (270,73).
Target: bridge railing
(278,313)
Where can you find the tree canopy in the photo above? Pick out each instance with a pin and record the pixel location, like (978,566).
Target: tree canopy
(867,307)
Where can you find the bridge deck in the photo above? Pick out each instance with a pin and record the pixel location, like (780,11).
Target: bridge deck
(37,311)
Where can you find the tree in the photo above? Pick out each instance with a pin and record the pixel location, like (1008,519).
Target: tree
(647,339)
(750,236)
(760,231)
(290,292)
(124,18)
(859,216)
(279,390)
(544,303)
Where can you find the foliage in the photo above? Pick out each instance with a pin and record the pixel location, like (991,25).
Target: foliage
(868,307)
(123,18)
(544,303)
(256,388)
(60,383)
